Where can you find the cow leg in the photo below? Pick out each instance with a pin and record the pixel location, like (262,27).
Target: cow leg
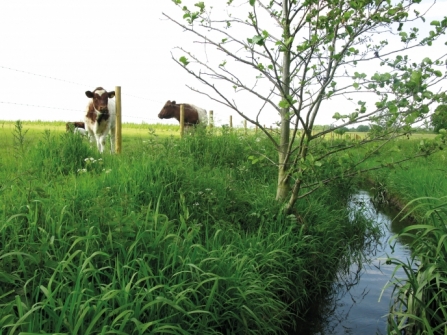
(90,135)
(101,141)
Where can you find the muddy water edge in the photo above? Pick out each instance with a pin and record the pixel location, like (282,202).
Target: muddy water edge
(357,303)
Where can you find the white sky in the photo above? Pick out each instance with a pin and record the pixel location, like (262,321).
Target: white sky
(85,44)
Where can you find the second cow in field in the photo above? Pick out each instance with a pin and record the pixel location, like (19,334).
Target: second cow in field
(71,126)
(193,115)
(100,117)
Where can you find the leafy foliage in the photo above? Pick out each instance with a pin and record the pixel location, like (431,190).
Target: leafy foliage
(439,118)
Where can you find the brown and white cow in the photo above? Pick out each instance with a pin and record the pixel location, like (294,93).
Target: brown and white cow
(71,126)
(193,114)
(100,117)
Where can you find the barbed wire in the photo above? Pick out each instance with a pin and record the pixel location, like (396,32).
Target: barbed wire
(71,82)
(40,75)
(30,105)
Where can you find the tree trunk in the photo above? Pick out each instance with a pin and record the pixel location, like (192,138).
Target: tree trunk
(283,187)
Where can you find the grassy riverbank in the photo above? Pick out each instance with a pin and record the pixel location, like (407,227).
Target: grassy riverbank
(419,188)
(172,236)
(399,184)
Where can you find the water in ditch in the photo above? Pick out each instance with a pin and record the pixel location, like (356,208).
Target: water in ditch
(357,304)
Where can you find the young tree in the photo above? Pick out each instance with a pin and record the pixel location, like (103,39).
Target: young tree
(298,57)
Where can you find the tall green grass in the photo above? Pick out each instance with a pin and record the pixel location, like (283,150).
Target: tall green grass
(420,305)
(398,184)
(173,236)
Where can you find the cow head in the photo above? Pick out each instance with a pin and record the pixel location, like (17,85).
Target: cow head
(100,99)
(168,110)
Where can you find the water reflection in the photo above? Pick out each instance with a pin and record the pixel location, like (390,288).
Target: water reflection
(356,304)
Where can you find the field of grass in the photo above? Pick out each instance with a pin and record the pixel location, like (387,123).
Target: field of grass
(172,236)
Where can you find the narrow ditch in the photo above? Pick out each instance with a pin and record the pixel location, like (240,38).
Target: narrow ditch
(357,304)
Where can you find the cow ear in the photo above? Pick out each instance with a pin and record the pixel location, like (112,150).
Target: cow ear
(89,94)
(111,94)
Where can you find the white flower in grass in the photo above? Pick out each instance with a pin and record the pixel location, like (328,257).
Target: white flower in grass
(207,189)
(258,139)
(82,170)
(107,171)
(90,160)
(196,204)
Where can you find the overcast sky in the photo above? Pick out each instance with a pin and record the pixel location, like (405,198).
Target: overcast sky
(52,51)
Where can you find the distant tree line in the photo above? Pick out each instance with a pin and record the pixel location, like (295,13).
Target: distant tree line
(439,118)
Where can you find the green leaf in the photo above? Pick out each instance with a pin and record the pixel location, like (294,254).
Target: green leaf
(252,2)
(438,73)
(336,116)
(284,104)
(416,77)
(184,60)
(201,5)
(349,29)
(347,14)
(259,40)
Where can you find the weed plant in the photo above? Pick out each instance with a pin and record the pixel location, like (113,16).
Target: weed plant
(173,236)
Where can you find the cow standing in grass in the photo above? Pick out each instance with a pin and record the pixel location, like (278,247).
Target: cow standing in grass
(72,126)
(100,117)
(193,115)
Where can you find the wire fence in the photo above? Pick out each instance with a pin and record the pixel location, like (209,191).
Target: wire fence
(218,119)
(37,75)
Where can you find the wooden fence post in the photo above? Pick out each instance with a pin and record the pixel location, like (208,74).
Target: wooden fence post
(118,127)
(231,121)
(211,119)
(182,120)
(245,127)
